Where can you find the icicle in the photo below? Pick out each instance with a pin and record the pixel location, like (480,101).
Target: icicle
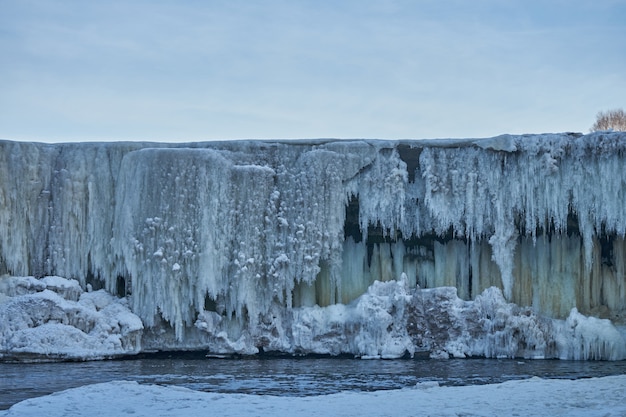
(256,226)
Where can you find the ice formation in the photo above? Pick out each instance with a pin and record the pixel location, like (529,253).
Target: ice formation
(53,319)
(294,246)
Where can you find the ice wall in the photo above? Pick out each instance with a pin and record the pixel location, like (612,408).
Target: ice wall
(243,231)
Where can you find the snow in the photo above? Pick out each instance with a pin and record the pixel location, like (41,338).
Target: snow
(225,246)
(56,320)
(531,397)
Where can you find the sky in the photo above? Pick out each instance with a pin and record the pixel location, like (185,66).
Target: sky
(158,70)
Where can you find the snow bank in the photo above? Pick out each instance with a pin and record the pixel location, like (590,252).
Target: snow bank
(533,397)
(53,319)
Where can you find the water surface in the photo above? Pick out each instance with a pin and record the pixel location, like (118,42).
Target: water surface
(284,376)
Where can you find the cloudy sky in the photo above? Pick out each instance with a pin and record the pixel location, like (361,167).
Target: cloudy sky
(192,70)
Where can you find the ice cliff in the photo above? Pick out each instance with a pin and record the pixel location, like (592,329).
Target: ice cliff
(333,246)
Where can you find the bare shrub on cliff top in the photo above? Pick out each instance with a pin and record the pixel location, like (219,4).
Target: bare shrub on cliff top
(610,120)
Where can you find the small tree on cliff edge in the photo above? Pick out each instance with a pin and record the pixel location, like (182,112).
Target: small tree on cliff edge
(610,120)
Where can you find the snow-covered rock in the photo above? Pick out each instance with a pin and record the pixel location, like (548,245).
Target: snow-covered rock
(57,321)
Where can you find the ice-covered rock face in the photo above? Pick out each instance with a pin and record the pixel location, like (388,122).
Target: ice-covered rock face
(232,237)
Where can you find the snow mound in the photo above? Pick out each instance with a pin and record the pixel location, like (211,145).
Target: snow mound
(532,397)
(53,319)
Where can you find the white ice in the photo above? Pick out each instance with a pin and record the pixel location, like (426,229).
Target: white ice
(52,318)
(218,245)
(532,397)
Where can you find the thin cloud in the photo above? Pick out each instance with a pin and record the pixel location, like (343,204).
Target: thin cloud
(195,71)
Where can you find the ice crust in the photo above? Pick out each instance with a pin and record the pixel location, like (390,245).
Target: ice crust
(237,246)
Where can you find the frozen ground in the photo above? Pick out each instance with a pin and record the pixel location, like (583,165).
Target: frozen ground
(531,397)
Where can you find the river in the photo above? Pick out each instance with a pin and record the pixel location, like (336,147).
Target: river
(284,376)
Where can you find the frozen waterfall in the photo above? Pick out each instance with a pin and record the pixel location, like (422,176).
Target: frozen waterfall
(332,246)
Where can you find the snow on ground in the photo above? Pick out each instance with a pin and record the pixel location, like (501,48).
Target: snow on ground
(531,397)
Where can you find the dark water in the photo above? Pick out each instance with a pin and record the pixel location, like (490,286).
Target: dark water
(284,376)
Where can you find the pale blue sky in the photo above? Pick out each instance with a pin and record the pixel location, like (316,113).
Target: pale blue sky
(202,70)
